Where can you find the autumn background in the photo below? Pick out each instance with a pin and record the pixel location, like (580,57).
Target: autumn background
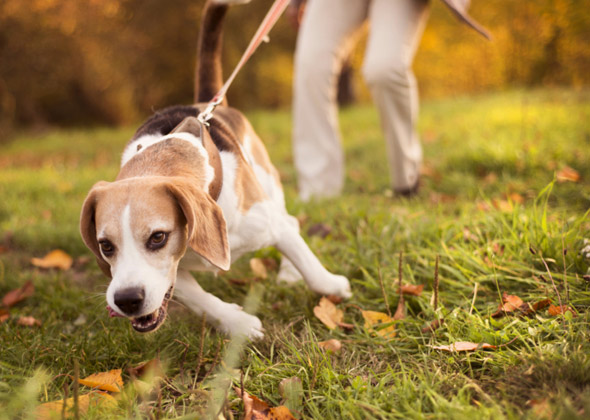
(470,300)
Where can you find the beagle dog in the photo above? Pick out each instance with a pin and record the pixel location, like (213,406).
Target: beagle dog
(194,198)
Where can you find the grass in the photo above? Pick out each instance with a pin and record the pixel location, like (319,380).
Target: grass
(489,196)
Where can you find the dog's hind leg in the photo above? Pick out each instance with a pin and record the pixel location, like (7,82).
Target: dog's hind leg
(320,280)
(228,317)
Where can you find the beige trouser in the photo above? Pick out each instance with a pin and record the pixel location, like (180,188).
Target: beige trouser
(326,35)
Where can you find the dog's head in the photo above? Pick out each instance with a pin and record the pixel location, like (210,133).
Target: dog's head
(139,229)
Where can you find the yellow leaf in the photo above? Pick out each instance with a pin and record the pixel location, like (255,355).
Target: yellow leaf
(55,259)
(107,381)
(256,409)
(53,409)
(328,313)
(374,319)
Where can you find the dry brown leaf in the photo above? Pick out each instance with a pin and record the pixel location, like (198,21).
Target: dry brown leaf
(14,296)
(53,409)
(541,408)
(331,345)
(555,310)
(106,381)
(434,325)
(400,311)
(28,321)
(256,409)
(412,289)
(567,174)
(464,346)
(374,319)
(328,313)
(55,259)
(542,304)
(258,268)
(4,315)
(509,304)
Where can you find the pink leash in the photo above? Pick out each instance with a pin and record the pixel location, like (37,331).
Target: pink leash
(269,21)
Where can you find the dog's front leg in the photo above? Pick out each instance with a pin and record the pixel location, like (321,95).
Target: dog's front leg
(320,280)
(229,317)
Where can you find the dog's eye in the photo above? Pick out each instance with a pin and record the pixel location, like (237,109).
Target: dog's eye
(157,240)
(107,248)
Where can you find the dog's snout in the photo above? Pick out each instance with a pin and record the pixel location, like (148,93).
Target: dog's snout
(129,300)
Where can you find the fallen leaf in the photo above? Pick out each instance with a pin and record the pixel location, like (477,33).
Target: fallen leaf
(319,229)
(509,304)
(555,310)
(335,299)
(374,319)
(256,409)
(53,409)
(258,268)
(4,315)
(400,311)
(151,367)
(14,296)
(567,174)
(55,259)
(328,313)
(434,325)
(542,304)
(106,381)
(464,346)
(331,345)
(28,321)
(412,289)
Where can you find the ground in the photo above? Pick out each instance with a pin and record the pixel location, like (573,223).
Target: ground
(497,203)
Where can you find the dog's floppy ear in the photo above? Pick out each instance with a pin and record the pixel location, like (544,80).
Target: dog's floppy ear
(207,231)
(88,226)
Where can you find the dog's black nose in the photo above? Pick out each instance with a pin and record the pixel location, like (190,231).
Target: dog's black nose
(129,300)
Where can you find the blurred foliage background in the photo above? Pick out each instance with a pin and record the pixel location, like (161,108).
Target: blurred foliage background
(79,62)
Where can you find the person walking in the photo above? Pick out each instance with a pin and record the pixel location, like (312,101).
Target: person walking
(326,35)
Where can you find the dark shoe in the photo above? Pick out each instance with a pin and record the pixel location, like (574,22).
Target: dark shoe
(408,192)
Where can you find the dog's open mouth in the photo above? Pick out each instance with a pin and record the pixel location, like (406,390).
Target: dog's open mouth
(151,322)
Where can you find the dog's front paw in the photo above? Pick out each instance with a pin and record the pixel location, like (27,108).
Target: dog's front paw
(335,285)
(240,323)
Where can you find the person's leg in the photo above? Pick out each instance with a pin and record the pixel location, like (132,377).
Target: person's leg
(395,32)
(325,35)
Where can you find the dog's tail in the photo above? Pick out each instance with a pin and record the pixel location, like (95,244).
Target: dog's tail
(209,75)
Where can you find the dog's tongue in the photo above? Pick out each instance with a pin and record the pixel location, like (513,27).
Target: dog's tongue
(112,312)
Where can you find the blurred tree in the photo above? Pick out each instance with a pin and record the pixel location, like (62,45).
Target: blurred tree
(113,61)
